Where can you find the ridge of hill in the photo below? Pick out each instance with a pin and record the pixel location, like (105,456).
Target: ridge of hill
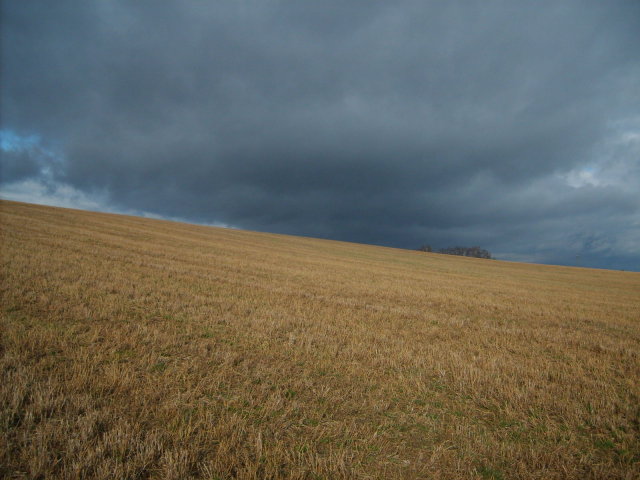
(141,348)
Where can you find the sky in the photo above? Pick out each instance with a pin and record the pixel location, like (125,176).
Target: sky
(514,126)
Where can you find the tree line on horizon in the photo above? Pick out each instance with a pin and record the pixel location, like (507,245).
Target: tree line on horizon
(475,251)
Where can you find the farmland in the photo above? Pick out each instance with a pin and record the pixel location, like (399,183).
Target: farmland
(140,348)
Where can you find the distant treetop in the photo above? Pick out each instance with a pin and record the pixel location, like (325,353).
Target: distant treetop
(475,252)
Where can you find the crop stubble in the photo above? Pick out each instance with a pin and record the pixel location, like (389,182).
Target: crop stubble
(139,348)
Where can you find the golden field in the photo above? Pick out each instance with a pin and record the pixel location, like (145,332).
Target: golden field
(138,348)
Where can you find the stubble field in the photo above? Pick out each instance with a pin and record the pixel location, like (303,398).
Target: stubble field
(138,348)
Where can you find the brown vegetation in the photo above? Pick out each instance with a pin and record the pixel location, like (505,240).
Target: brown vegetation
(137,348)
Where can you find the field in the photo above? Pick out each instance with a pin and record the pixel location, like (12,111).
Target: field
(139,348)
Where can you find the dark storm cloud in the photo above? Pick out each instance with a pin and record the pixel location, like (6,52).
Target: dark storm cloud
(516,127)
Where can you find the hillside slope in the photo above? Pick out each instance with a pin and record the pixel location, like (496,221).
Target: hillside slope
(138,348)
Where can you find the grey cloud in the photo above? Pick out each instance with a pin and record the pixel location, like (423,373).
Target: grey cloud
(18,165)
(396,124)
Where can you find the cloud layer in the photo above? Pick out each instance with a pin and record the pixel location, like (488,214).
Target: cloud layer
(513,127)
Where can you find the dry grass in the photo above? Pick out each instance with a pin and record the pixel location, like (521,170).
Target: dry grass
(136,348)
